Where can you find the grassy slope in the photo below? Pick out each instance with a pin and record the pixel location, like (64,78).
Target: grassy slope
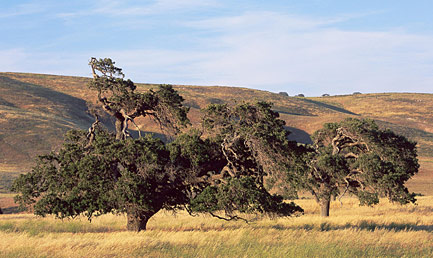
(35,111)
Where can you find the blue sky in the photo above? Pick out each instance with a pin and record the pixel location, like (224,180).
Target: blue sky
(310,47)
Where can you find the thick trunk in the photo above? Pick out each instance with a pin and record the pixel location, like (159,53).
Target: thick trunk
(137,220)
(324,207)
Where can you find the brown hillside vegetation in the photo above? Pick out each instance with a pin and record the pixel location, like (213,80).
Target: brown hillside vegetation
(35,111)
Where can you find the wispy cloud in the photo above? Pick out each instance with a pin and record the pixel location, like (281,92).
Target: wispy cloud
(259,20)
(272,50)
(117,8)
(266,50)
(163,5)
(22,9)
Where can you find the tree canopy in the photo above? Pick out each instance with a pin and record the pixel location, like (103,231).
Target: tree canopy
(119,98)
(355,156)
(253,143)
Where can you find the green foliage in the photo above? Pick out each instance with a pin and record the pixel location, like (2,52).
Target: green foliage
(67,183)
(254,143)
(243,195)
(250,133)
(111,176)
(355,156)
(325,171)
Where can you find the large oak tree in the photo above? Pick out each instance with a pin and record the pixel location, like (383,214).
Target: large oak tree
(98,171)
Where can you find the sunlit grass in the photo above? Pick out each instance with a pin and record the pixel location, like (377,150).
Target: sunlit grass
(385,230)
(8,168)
(7,195)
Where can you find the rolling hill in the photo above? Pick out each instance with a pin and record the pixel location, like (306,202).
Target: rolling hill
(36,110)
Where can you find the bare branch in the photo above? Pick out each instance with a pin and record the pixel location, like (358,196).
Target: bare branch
(229,218)
(345,190)
(138,128)
(190,212)
(91,133)
(351,155)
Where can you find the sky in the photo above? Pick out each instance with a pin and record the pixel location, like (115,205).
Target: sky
(311,47)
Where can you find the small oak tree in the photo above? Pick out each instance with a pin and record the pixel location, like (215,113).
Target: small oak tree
(355,156)
(99,172)
(118,98)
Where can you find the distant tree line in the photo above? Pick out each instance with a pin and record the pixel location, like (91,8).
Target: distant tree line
(223,167)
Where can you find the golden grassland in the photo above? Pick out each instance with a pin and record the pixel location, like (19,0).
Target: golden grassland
(385,230)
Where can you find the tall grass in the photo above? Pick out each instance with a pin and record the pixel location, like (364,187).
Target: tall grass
(385,230)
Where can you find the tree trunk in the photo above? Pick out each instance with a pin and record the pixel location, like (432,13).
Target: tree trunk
(324,206)
(137,220)
(119,129)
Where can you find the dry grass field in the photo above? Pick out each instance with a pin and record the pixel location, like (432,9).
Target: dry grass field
(385,230)
(423,181)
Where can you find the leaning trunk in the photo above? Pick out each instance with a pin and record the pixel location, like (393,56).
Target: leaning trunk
(137,220)
(324,206)
(119,129)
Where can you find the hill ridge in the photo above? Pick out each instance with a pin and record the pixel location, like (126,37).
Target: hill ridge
(36,109)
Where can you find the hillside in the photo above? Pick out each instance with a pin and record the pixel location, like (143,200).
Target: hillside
(35,111)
